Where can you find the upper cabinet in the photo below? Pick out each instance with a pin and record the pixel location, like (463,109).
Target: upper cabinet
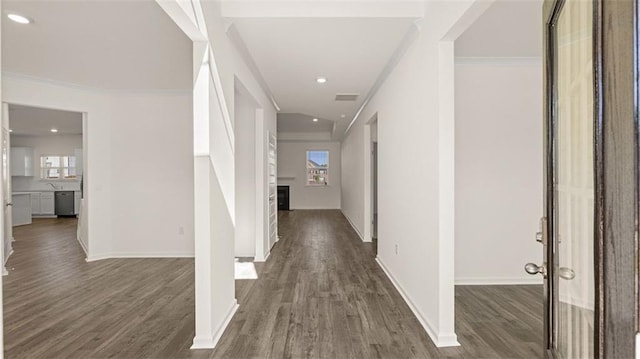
(22,161)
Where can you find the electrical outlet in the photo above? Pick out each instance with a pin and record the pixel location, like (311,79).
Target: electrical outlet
(181,230)
(397,249)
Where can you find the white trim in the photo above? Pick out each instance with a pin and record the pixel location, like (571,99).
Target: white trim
(411,34)
(4,267)
(138,256)
(353,226)
(84,248)
(261,259)
(494,60)
(244,52)
(75,86)
(441,339)
(210,343)
(9,255)
(499,281)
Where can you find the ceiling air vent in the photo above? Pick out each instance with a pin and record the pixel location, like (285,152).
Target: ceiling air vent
(347,96)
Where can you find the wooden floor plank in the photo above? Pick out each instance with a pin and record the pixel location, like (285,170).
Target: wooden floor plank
(320,295)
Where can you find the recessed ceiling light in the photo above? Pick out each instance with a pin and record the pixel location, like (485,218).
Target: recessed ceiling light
(315,120)
(321,80)
(54,130)
(10,130)
(19,18)
(343,116)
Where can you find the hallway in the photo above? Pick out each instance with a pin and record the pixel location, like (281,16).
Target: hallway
(320,295)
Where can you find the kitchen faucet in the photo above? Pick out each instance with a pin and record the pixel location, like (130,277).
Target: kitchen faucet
(52,185)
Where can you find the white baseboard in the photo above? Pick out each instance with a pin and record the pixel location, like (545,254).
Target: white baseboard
(261,259)
(353,226)
(84,248)
(529,280)
(4,267)
(138,256)
(210,343)
(9,255)
(441,340)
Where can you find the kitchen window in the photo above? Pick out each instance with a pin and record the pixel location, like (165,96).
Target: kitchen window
(317,168)
(58,167)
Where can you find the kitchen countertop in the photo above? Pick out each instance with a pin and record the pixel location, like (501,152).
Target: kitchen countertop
(44,190)
(20,193)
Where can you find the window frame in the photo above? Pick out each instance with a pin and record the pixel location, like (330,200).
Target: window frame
(60,168)
(325,168)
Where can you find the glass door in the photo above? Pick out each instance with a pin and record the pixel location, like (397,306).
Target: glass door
(573,189)
(568,227)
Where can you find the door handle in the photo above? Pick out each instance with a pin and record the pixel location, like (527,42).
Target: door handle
(566,273)
(534,269)
(539,237)
(9,204)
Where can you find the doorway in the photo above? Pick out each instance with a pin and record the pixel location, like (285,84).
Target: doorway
(374,189)
(370,232)
(45,171)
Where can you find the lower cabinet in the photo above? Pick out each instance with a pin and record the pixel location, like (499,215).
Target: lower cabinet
(35,203)
(43,203)
(47,203)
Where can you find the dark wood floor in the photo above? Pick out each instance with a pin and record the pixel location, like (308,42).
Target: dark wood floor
(320,295)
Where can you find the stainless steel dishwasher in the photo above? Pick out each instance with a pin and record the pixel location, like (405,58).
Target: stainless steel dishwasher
(64,203)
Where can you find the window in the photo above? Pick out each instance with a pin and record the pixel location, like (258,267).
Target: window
(317,168)
(57,167)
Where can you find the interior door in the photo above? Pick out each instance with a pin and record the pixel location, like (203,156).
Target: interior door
(568,231)
(573,192)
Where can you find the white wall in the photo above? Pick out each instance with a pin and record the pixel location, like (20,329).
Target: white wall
(152,174)
(232,68)
(499,175)
(139,174)
(415,208)
(45,145)
(245,127)
(292,171)
(214,80)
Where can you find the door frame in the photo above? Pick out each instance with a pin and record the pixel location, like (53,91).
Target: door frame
(616,175)
(367,235)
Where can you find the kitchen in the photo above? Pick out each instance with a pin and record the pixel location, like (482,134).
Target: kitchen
(45,164)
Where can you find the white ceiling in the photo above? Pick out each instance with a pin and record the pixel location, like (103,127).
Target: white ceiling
(509,28)
(131,45)
(291,53)
(35,121)
(301,123)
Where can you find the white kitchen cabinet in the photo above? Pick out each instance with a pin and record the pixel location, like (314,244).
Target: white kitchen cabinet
(47,203)
(76,202)
(20,210)
(22,161)
(35,203)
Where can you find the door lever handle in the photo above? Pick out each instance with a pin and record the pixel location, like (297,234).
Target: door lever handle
(566,273)
(9,204)
(534,269)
